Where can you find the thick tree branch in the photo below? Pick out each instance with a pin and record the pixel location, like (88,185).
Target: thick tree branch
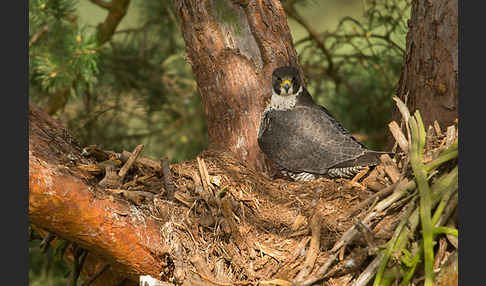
(65,204)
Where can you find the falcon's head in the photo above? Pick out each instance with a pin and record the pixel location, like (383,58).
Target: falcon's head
(286,81)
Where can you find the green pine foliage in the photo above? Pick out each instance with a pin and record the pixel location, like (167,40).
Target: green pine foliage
(45,268)
(135,89)
(146,92)
(62,55)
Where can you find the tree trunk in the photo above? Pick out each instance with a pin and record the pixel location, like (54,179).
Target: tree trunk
(430,68)
(233,47)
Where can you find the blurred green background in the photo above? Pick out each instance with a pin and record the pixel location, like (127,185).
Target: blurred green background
(137,88)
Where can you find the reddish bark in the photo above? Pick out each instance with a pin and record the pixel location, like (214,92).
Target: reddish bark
(430,67)
(233,47)
(65,204)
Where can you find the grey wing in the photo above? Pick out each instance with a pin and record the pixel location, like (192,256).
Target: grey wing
(264,121)
(308,139)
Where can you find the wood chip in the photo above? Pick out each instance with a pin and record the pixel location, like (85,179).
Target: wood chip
(430,138)
(203,172)
(399,136)
(93,150)
(138,197)
(124,170)
(368,236)
(184,198)
(451,135)
(92,168)
(296,253)
(438,132)
(115,191)
(299,221)
(125,155)
(201,265)
(166,175)
(276,254)
(111,179)
(375,186)
(313,249)
(440,253)
(390,168)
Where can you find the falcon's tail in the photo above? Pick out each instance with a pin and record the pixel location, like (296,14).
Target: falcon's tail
(370,158)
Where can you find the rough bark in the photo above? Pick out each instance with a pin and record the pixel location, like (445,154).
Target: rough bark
(430,67)
(233,47)
(66,204)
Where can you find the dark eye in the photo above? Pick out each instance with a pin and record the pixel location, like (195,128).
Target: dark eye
(279,79)
(294,79)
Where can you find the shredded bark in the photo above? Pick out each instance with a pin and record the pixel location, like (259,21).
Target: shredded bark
(230,225)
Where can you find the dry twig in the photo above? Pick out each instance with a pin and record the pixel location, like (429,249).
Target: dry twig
(166,175)
(124,170)
(313,250)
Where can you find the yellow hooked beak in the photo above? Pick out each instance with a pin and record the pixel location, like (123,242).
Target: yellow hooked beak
(286,84)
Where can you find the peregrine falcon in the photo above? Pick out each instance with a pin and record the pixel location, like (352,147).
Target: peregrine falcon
(303,138)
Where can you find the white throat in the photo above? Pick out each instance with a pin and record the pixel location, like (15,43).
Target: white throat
(283,102)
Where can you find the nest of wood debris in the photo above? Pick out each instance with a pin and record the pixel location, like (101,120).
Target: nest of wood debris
(228,224)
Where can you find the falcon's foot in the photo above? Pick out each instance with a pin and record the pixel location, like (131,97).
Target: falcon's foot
(347,172)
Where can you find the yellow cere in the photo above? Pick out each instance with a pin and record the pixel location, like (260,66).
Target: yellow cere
(286,82)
